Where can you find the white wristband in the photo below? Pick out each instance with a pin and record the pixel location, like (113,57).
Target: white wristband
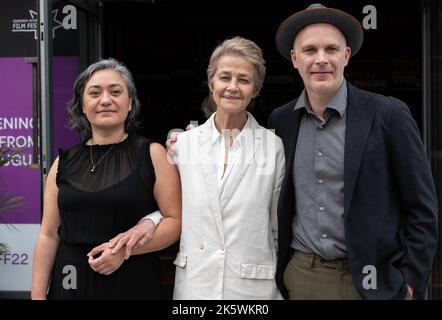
(156,217)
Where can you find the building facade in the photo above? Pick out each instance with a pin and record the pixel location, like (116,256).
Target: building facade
(166,44)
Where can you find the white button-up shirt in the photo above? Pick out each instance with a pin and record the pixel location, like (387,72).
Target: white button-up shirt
(233,152)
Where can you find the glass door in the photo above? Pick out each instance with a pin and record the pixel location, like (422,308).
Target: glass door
(49,42)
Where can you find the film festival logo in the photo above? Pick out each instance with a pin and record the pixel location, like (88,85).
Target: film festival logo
(67,22)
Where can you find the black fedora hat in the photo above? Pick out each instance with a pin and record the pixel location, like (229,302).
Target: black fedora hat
(316,13)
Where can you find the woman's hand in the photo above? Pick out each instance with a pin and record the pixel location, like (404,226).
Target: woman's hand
(105,263)
(137,236)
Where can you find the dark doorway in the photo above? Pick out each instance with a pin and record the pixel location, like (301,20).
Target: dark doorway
(167,44)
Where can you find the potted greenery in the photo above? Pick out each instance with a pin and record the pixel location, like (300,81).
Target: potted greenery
(7,201)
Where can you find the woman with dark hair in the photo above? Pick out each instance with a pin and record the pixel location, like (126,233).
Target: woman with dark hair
(100,188)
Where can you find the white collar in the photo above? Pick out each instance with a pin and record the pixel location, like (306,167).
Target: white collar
(217,135)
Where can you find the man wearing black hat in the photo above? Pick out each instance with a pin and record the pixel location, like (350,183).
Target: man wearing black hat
(358,209)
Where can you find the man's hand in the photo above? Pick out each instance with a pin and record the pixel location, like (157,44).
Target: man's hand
(410,290)
(138,236)
(171,154)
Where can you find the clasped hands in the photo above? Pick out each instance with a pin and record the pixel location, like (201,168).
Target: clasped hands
(107,257)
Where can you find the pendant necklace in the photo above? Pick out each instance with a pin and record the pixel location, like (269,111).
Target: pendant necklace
(94,165)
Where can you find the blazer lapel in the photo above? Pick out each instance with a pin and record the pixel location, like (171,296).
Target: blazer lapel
(358,123)
(208,166)
(252,140)
(290,137)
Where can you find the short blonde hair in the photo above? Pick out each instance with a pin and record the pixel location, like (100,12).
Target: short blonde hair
(239,47)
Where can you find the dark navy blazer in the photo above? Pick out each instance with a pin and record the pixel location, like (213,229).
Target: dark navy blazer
(390,203)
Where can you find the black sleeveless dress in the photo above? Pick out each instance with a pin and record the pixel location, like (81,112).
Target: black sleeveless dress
(96,206)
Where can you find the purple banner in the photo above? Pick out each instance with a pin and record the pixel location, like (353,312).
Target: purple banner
(16,124)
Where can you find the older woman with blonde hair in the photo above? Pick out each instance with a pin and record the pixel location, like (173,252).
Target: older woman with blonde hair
(231,171)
